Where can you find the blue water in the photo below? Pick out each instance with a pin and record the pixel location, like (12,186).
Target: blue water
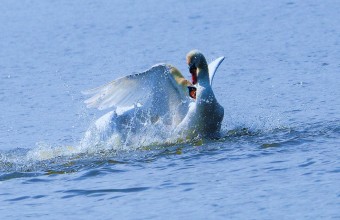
(279,86)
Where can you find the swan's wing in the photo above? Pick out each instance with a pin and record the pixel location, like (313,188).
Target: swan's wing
(160,85)
(213,67)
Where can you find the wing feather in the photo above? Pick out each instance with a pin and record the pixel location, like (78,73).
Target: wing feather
(156,83)
(213,67)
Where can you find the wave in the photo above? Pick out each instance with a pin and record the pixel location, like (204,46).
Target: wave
(153,142)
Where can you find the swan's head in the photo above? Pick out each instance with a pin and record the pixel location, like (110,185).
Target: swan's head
(196,62)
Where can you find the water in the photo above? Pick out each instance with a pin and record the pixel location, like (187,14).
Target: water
(279,157)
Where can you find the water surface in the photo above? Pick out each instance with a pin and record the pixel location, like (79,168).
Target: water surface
(279,155)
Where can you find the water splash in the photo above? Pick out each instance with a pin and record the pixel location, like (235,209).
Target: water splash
(153,140)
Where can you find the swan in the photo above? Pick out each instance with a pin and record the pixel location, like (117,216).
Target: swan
(160,95)
(205,115)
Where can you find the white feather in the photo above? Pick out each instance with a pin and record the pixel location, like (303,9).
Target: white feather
(155,89)
(213,67)
(159,92)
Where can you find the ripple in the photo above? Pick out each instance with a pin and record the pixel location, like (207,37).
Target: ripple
(83,192)
(18,198)
(91,173)
(98,172)
(335,171)
(25,197)
(187,184)
(307,163)
(36,180)
(13,175)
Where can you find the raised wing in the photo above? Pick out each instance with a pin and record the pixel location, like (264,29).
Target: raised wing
(158,87)
(213,67)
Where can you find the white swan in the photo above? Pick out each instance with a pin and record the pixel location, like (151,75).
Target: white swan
(205,115)
(160,95)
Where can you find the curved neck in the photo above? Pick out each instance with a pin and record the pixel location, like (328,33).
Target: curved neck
(203,77)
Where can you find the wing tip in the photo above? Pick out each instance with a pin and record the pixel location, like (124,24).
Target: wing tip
(220,59)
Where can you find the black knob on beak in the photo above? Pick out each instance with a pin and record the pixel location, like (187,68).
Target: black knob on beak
(192,68)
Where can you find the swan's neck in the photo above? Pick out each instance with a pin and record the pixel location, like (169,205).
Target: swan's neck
(203,77)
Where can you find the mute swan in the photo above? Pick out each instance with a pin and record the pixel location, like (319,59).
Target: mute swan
(160,95)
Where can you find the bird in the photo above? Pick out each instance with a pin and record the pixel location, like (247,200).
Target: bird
(160,95)
(205,115)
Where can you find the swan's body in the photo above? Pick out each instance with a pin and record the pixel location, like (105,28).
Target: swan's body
(160,96)
(206,114)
